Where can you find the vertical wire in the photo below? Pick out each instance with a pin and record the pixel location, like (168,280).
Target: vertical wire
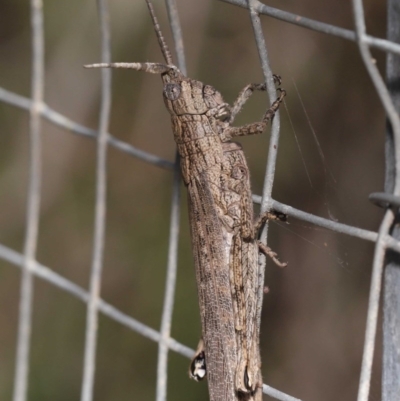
(273,142)
(391,296)
(373,307)
(33,204)
(379,84)
(176,34)
(168,305)
(100,211)
(380,246)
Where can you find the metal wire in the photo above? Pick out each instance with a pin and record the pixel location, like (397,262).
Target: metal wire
(318,26)
(66,285)
(33,205)
(391,296)
(75,128)
(168,305)
(380,248)
(273,144)
(89,363)
(31,268)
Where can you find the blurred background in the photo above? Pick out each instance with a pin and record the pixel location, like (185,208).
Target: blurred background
(314,315)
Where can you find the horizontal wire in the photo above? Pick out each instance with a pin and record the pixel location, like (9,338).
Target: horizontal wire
(45,273)
(272,392)
(49,275)
(378,43)
(367,235)
(64,122)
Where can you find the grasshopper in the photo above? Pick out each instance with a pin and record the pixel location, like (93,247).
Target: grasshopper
(224,236)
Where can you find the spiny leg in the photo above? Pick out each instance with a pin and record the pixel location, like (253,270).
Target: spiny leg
(259,127)
(269,114)
(245,94)
(243,97)
(272,215)
(267,251)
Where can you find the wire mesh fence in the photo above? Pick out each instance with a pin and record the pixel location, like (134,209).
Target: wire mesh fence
(27,260)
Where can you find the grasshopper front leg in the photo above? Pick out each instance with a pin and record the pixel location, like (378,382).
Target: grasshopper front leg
(245,94)
(258,127)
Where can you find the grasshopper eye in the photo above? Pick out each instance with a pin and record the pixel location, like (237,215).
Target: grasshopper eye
(239,172)
(172,91)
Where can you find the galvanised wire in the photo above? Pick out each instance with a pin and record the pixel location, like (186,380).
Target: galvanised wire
(168,304)
(388,219)
(33,205)
(64,122)
(54,278)
(318,26)
(391,296)
(89,362)
(30,266)
(273,144)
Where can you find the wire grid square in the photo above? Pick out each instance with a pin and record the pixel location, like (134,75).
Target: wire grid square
(27,260)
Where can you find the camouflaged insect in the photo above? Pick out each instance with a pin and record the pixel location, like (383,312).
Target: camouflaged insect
(224,235)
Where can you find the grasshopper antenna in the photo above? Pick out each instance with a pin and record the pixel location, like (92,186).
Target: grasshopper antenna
(161,41)
(154,68)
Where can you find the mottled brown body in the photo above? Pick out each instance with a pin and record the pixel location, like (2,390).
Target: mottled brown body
(223,233)
(207,174)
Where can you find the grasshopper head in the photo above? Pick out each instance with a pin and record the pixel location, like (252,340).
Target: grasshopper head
(187,96)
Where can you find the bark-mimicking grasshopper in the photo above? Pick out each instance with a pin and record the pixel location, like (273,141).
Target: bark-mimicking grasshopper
(224,236)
